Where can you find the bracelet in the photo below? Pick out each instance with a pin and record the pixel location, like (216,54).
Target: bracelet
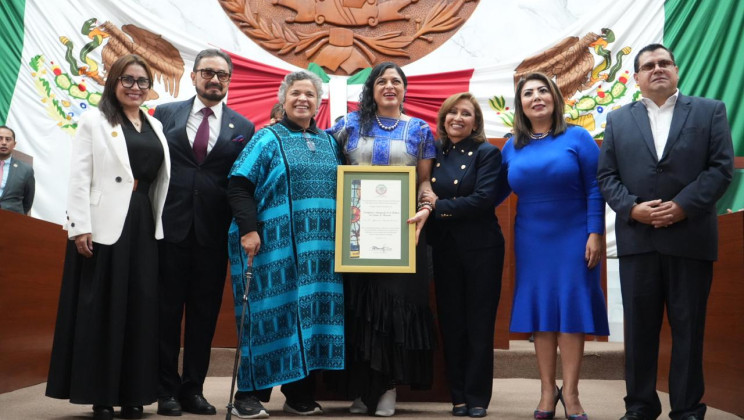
(425,205)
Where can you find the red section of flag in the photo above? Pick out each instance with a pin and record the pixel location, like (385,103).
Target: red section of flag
(427,92)
(253,91)
(254,87)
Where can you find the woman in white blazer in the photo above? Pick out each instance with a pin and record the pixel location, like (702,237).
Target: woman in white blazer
(105,349)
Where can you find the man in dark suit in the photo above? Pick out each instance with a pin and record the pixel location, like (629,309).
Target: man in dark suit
(205,137)
(17,184)
(664,163)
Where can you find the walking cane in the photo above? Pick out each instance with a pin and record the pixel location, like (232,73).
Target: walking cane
(248,275)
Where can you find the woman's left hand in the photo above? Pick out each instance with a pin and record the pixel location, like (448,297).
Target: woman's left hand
(593,250)
(428,195)
(419,219)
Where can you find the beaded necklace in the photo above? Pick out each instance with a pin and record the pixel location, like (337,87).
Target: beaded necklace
(387,127)
(540,136)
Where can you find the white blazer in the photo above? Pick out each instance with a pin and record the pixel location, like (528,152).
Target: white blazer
(101,180)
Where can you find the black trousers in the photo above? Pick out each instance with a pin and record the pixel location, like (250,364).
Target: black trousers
(192,280)
(649,282)
(468,286)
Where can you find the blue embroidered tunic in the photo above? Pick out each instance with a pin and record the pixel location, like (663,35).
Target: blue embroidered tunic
(295,317)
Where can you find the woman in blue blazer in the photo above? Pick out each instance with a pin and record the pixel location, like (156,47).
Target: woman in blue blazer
(467,250)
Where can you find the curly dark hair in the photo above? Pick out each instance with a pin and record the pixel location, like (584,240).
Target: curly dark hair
(367,104)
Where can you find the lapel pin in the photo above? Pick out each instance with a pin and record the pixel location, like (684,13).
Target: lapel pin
(231,125)
(15,165)
(114,134)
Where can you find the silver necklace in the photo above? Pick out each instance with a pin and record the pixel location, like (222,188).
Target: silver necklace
(387,127)
(540,136)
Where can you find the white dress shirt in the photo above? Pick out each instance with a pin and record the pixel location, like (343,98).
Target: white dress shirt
(6,172)
(660,118)
(195,119)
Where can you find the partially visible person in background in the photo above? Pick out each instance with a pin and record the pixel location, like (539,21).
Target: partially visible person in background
(467,250)
(558,238)
(17,184)
(276,114)
(105,348)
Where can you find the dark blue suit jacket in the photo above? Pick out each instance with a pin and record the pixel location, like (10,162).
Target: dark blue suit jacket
(198,193)
(694,172)
(464,179)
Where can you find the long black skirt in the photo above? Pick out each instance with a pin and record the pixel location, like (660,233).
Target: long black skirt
(106,339)
(390,333)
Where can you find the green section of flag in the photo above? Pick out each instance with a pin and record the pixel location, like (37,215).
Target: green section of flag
(706,38)
(314,68)
(360,77)
(11,50)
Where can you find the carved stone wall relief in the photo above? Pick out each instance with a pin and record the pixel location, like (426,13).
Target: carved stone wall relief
(343,36)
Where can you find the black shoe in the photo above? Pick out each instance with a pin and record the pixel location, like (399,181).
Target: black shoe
(692,417)
(196,404)
(103,412)
(309,408)
(477,412)
(169,406)
(249,408)
(459,410)
(131,412)
(634,415)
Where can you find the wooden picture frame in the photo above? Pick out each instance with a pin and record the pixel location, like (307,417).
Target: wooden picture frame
(373,204)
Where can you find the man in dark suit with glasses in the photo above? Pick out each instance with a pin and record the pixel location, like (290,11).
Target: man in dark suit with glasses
(665,161)
(205,137)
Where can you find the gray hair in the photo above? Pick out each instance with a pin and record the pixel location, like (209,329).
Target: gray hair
(296,76)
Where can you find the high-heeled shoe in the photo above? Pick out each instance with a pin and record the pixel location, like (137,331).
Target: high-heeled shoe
(540,414)
(580,416)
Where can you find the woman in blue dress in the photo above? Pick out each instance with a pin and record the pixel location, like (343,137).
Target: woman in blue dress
(282,191)
(552,168)
(390,329)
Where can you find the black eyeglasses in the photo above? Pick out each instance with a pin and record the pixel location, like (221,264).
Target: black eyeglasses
(208,74)
(128,81)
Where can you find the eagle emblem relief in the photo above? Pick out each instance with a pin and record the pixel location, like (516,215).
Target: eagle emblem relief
(343,36)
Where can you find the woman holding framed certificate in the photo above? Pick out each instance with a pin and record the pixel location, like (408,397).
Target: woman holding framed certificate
(467,250)
(389,326)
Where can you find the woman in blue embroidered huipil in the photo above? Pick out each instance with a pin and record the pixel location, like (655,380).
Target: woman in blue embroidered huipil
(282,190)
(390,331)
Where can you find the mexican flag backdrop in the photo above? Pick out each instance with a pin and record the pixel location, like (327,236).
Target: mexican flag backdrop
(54,56)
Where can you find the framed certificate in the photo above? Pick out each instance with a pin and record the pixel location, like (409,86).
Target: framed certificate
(372,206)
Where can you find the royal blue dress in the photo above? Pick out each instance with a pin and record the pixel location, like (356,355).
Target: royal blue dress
(559,206)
